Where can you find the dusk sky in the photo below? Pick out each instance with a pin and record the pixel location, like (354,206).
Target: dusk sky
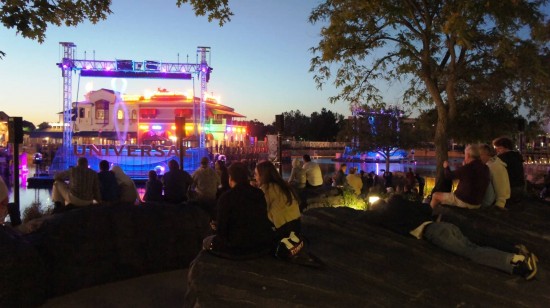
(260,58)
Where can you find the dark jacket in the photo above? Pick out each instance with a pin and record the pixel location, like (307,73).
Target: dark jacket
(473,180)
(514,165)
(153,190)
(242,223)
(399,215)
(176,183)
(108,186)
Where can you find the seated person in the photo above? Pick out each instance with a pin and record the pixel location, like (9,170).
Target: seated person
(283,208)
(83,187)
(153,188)
(473,179)
(242,229)
(354,181)
(415,219)
(107,183)
(504,147)
(126,187)
(176,183)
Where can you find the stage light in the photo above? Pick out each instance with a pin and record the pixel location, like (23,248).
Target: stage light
(173,127)
(88,67)
(144,127)
(156,127)
(65,66)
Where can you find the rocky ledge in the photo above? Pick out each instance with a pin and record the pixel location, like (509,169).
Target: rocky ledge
(90,246)
(366,265)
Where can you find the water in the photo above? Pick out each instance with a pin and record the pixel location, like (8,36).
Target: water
(425,166)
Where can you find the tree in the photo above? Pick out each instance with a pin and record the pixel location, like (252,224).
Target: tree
(43,126)
(381,130)
(480,121)
(444,50)
(28,126)
(324,126)
(296,124)
(31,18)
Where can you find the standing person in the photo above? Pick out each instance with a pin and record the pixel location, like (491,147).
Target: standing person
(415,219)
(153,188)
(126,187)
(421,183)
(221,170)
(388,180)
(411,178)
(297,177)
(283,209)
(340,176)
(354,181)
(514,165)
(242,228)
(314,176)
(473,179)
(498,190)
(205,182)
(82,190)
(107,184)
(176,183)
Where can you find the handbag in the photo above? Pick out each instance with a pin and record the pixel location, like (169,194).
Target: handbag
(290,246)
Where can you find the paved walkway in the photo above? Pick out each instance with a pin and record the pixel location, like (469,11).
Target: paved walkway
(157,290)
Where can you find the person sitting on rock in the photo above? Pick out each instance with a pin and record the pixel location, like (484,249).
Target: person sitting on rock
(176,183)
(473,179)
(504,147)
(297,176)
(416,219)
(107,184)
(128,193)
(354,181)
(339,177)
(498,190)
(82,190)
(282,201)
(242,228)
(153,188)
(205,182)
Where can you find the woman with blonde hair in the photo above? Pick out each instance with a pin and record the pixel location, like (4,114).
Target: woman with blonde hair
(282,201)
(297,175)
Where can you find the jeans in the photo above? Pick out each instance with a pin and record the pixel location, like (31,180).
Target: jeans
(449,237)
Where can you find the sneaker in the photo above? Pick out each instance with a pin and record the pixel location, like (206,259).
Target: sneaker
(527,268)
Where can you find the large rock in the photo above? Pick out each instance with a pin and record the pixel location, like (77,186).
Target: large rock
(370,266)
(90,246)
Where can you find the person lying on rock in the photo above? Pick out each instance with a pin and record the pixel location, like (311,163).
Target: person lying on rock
(242,229)
(412,218)
(282,201)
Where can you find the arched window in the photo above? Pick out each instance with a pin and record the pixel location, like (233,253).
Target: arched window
(134,115)
(120,114)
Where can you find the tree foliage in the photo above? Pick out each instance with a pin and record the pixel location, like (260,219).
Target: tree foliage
(444,50)
(31,18)
(319,126)
(479,121)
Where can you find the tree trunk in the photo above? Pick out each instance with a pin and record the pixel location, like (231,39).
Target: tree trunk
(440,141)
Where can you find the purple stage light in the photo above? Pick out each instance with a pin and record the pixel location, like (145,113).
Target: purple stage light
(88,67)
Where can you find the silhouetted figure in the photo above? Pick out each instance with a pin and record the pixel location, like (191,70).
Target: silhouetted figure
(153,188)
(176,183)
(107,184)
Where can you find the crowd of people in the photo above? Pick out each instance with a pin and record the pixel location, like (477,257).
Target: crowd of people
(253,211)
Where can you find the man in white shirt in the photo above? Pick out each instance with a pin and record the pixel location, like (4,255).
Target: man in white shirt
(314,177)
(499,187)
